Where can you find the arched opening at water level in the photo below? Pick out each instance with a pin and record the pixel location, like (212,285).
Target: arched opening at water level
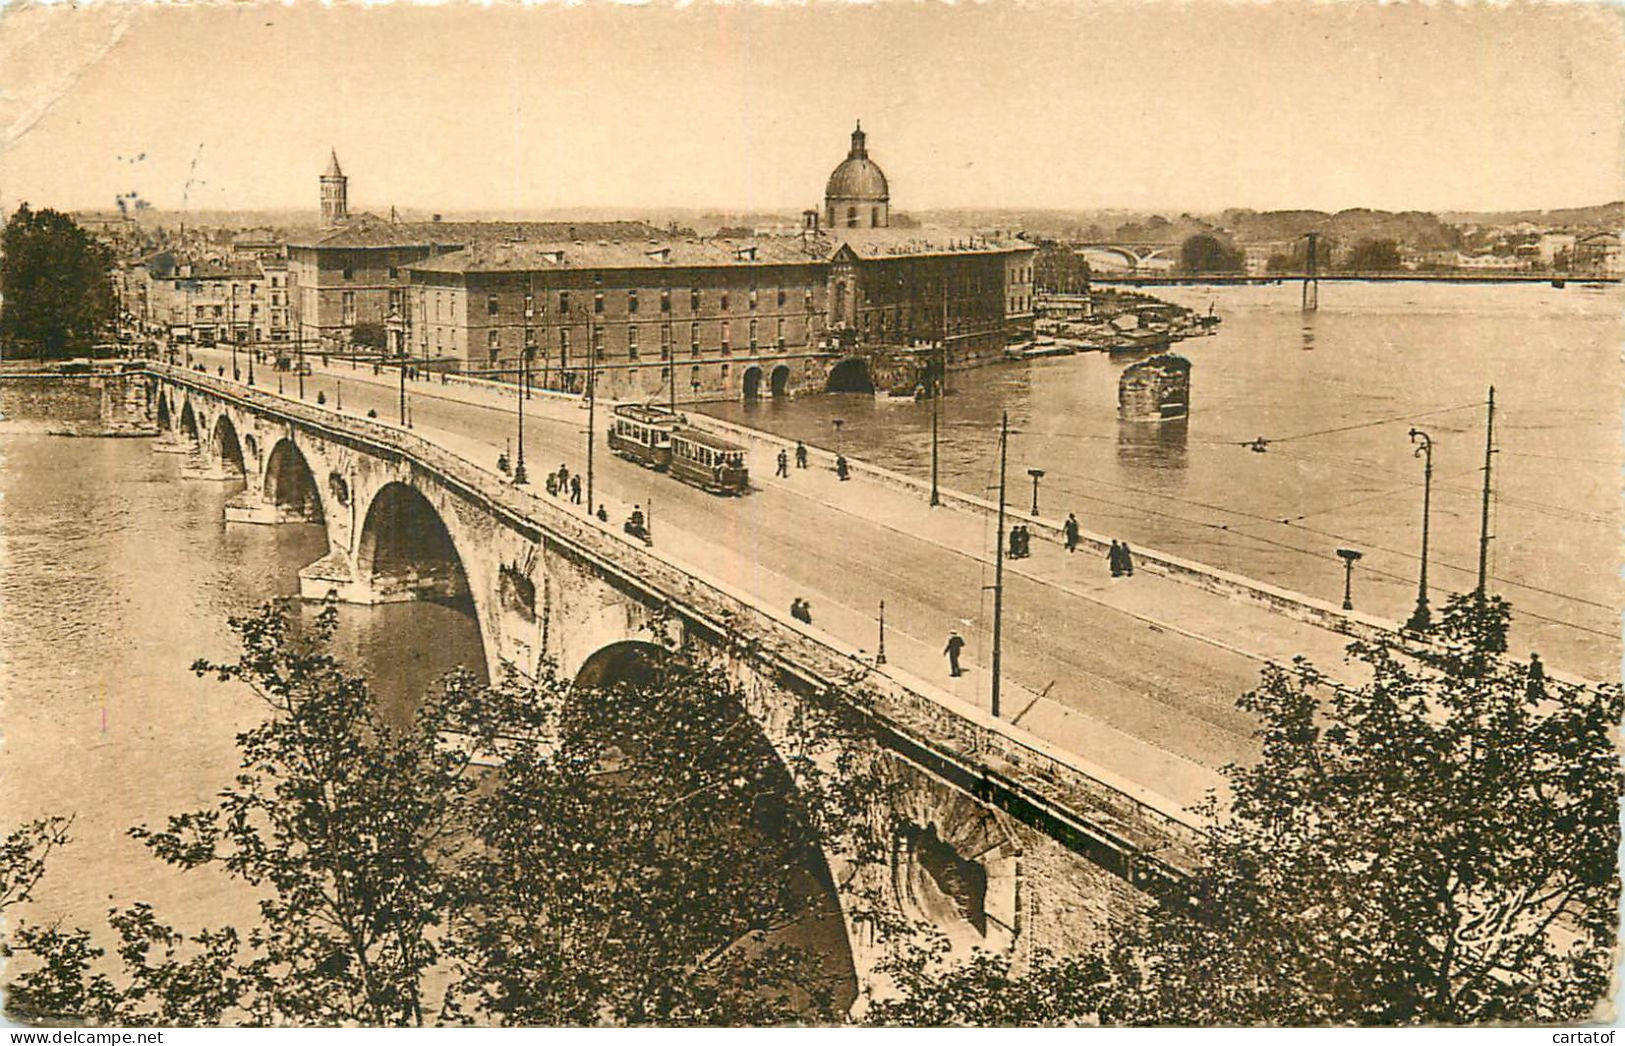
(290,486)
(753,383)
(189,424)
(406,552)
(851,375)
(782,863)
(227,447)
(780,382)
(165,420)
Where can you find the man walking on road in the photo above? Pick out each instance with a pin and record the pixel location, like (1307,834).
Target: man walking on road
(1071,530)
(956,643)
(801,455)
(1114,558)
(575,490)
(784,464)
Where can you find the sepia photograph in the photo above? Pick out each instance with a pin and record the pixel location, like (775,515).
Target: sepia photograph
(840,515)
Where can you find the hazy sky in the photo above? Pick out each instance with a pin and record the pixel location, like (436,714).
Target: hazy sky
(1191,106)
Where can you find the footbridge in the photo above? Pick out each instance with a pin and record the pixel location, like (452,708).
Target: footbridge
(1003,840)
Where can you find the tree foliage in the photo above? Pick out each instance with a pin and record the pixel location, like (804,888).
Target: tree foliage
(1204,253)
(518,854)
(369,336)
(1373,256)
(55,278)
(1438,845)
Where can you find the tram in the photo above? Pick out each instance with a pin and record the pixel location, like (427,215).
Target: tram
(708,462)
(643,434)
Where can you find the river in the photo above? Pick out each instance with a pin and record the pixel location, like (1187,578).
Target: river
(115,574)
(1335,393)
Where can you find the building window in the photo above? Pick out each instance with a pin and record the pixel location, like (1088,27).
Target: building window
(491,305)
(253,290)
(530,306)
(493,338)
(394,273)
(753,334)
(349,273)
(202,311)
(874,217)
(598,303)
(598,340)
(632,341)
(724,305)
(727,338)
(347,303)
(530,339)
(724,375)
(694,339)
(693,299)
(665,341)
(852,217)
(564,303)
(564,345)
(694,377)
(781,297)
(632,300)
(780,336)
(753,297)
(665,300)
(807,299)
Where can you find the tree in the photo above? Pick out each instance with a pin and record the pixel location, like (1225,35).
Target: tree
(1373,256)
(368,336)
(632,858)
(55,278)
(1438,845)
(1058,268)
(1204,253)
(984,991)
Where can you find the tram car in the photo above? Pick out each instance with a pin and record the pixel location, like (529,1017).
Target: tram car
(643,434)
(708,462)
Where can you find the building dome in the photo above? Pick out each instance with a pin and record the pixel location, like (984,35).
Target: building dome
(856,195)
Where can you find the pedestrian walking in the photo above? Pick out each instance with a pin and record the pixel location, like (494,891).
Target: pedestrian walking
(552,484)
(603,514)
(1026,541)
(801,455)
(1015,543)
(1114,558)
(575,490)
(1128,561)
(1071,529)
(784,464)
(564,477)
(1536,689)
(840,468)
(956,643)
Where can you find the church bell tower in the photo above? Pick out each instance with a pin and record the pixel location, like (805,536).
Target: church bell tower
(335,193)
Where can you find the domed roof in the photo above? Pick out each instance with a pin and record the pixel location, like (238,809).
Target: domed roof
(857,177)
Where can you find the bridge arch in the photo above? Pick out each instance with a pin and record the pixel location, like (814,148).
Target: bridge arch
(753,382)
(188,425)
(779,382)
(227,446)
(290,485)
(821,929)
(165,419)
(406,551)
(851,375)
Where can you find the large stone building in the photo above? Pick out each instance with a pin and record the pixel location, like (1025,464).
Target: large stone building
(209,300)
(847,304)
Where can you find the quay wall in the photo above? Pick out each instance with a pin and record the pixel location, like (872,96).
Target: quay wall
(102,403)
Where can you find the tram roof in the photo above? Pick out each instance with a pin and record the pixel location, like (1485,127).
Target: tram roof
(648,415)
(705,439)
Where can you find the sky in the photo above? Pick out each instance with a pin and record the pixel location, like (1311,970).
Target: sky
(1193,106)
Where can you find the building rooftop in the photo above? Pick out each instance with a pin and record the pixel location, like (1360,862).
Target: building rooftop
(894,242)
(533,256)
(369,230)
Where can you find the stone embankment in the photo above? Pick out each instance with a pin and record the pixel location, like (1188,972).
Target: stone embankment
(58,401)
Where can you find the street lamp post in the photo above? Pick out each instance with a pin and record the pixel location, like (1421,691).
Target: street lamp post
(1036,474)
(1421,619)
(1348,556)
(880,651)
(837,422)
(524,381)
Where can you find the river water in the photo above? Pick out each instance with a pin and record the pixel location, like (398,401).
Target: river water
(1335,392)
(115,574)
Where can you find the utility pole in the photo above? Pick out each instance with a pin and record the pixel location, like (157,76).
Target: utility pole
(592,408)
(998,564)
(403,392)
(939,387)
(1420,617)
(880,651)
(1484,519)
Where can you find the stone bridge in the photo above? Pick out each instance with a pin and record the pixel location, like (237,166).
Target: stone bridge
(1002,842)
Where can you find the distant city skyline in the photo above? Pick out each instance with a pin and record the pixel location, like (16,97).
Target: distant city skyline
(740,109)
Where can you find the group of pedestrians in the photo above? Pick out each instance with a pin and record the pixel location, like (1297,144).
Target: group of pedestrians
(782,469)
(1021,542)
(562,484)
(801,610)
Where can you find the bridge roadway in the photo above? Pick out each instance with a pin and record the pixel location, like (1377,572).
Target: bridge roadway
(1139,675)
